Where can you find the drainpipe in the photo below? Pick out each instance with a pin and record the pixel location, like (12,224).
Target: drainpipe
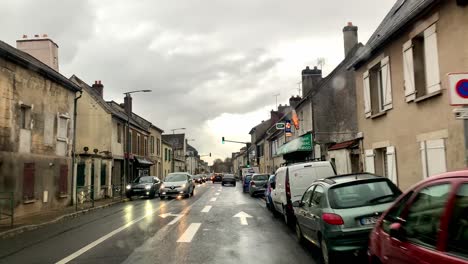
(73,185)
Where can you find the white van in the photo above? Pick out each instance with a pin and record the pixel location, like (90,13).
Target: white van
(292,181)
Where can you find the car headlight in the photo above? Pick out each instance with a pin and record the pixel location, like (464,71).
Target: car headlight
(129,187)
(162,186)
(148,187)
(183,185)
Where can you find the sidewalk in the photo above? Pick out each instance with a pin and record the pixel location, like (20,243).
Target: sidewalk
(33,221)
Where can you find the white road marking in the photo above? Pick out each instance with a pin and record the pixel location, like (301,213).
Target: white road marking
(243,217)
(188,235)
(213,199)
(178,217)
(206,209)
(104,238)
(216,193)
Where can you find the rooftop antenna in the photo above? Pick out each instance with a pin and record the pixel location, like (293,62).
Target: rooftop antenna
(276,96)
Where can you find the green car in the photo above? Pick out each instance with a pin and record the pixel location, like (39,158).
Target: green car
(338,213)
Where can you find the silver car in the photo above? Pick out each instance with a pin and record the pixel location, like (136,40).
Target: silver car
(258,184)
(177,184)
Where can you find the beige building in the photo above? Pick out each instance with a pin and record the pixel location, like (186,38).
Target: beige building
(408,128)
(166,159)
(155,147)
(36,132)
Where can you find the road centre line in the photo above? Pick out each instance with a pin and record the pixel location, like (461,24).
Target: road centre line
(206,209)
(188,235)
(213,199)
(105,237)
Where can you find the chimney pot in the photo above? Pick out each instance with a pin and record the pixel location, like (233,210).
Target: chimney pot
(36,35)
(44,35)
(350,24)
(25,36)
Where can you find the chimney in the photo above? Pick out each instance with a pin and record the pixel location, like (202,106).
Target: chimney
(99,88)
(128,104)
(283,108)
(294,101)
(310,79)
(275,116)
(41,48)
(350,36)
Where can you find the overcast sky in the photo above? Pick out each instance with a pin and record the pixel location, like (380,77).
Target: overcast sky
(213,65)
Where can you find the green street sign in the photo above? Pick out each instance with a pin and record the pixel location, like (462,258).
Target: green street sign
(280,126)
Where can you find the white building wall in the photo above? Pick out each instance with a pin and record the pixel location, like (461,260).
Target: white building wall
(342,160)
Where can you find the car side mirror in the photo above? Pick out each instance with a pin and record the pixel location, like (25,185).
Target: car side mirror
(297,204)
(397,231)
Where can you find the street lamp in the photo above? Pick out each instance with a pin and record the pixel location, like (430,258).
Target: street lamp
(127,158)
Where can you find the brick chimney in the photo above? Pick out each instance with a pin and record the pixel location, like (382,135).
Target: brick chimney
(128,104)
(294,100)
(99,88)
(275,116)
(310,79)
(42,48)
(350,37)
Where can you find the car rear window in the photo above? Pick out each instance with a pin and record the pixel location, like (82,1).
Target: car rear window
(228,176)
(362,193)
(260,177)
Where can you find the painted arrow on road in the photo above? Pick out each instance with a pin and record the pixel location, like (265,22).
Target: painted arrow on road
(243,217)
(178,217)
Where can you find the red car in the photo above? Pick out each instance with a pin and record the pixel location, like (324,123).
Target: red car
(427,224)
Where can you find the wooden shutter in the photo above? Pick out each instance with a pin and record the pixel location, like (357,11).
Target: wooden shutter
(433,157)
(391,165)
(431,60)
(386,83)
(63,179)
(366,94)
(370,165)
(408,71)
(28,181)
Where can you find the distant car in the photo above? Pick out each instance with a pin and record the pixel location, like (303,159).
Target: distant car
(271,184)
(177,184)
(246,183)
(427,224)
(143,186)
(217,178)
(205,178)
(339,212)
(198,179)
(258,184)
(228,179)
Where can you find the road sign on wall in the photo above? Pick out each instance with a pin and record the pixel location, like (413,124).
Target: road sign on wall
(280,126)
(458,88)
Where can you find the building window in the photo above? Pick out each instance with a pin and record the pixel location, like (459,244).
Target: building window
(165,154)
(170,153)
(152,144)
(382,161)
(138,146)
(130,147)
(421,65)
(119,133)
(25,117)
(377,88)
(433,157)
(146,146)
(158,146)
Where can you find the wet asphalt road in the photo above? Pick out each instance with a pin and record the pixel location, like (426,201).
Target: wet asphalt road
(200,229)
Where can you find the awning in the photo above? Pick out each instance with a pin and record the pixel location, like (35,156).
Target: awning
(301,144)
(343,145)
(144,161)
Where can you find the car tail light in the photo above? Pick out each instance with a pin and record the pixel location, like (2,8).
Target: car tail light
(252,183)
(332,219)
(288,189)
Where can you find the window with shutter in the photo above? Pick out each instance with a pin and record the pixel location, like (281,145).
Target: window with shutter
(433,157)
(391,165)
(431,56)
(366,93)
(408,71)
(386,84)
(370,166)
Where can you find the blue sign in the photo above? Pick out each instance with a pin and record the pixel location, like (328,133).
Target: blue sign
(287,128)
(462,88)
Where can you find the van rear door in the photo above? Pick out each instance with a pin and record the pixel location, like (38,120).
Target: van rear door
(300,178)
(324,171)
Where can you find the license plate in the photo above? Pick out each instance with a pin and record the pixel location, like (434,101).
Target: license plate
(369,220)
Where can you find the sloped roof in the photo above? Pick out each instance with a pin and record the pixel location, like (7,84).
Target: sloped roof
(176,140)
(24,59)
(120,112)
(402,13)
(344,145)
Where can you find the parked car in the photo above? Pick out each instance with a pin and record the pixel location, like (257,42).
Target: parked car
(228,179)
(177,184)
(427,224)
(143,186)
(291,183)
(338,213)
(205,178)
(258,184)
(246,183)
(198,179)
(271,184)
(218,177)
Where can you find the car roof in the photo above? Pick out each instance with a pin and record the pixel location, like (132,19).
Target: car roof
(459,174)
(313,163)
(338,179)
(255,174)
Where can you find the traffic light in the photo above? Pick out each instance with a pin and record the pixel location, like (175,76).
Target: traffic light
(222,140)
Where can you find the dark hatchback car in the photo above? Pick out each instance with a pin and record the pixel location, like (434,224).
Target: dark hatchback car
(198,179)
(228,179)
(338,213)
(217,178)
(143,186)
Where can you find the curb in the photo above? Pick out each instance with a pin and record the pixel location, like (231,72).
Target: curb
(21,229)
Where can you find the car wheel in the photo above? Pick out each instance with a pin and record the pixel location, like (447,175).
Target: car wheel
(287,217)
(192,192)
(252,194)
(299,236)
(162,197)
(326,256)
(234,184)
(129,196)
(151,196)
(222,184)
